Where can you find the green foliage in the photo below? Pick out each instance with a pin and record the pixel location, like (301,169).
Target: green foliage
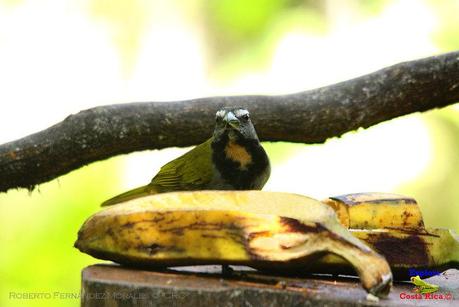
(373,7)
(437,190)
(238,20)
(448,22)
(243,34)
(38,231)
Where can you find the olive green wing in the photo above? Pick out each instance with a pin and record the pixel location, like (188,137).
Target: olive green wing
(192,171)
(132,194)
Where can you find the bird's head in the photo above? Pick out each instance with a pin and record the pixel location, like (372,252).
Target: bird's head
(234,122)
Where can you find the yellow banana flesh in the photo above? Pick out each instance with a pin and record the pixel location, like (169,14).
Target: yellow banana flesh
(259,229)
(376,210)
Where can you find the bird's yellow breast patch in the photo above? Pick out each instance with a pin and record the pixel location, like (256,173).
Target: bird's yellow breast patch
(238,153)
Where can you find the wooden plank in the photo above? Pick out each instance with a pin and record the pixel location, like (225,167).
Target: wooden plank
(113,285)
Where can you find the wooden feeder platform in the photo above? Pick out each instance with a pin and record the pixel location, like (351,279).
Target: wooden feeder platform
(114,285)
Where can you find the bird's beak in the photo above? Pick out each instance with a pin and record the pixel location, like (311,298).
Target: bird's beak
(232,120)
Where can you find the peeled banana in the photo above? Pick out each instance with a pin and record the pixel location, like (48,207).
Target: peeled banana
(376,210)
(254,228)
(393,226)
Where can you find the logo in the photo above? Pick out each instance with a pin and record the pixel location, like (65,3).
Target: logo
(422,286)
(424,291)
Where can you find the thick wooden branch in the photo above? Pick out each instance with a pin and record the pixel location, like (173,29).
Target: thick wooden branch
(310,117)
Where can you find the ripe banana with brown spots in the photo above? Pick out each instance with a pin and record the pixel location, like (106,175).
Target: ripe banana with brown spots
(393,226)
(259,229)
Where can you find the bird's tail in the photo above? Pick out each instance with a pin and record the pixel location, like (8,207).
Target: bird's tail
(135,193)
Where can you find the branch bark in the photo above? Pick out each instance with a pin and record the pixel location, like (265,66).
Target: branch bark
(309,117)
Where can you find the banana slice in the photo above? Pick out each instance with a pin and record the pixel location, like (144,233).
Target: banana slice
(376,210)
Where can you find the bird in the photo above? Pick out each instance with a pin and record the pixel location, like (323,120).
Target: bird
(232,159)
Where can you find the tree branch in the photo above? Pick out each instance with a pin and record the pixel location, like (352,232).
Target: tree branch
(310,117)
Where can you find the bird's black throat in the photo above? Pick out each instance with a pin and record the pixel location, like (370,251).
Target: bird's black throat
(240,178)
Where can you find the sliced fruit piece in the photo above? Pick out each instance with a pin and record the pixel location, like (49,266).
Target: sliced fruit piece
(376,210)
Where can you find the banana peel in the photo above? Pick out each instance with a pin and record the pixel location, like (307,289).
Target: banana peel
(405,250)
(254,228)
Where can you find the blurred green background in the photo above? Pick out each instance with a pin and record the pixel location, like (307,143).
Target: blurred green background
(58,57)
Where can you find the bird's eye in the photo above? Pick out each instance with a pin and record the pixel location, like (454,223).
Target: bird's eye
(245,117)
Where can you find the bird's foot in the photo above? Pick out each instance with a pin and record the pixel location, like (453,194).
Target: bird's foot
(226,270)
